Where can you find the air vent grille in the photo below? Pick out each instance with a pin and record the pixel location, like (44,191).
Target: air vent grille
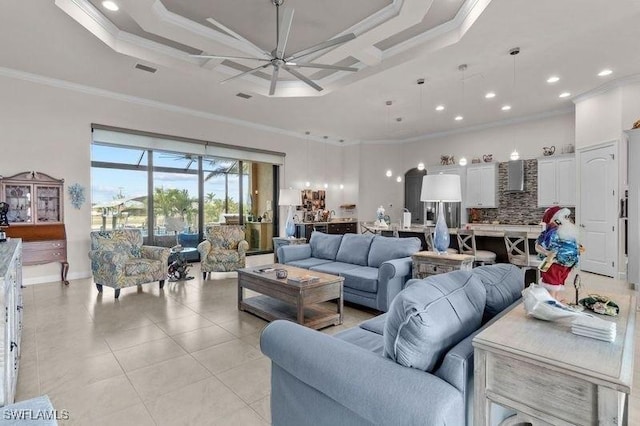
(243,95)
(146,68)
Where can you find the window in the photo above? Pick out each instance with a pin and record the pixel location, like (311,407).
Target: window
(187,191)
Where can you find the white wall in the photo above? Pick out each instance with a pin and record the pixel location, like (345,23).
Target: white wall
(48,129)
(527,137)
(598,119)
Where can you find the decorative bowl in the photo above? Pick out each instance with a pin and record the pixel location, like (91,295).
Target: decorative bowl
(281,273)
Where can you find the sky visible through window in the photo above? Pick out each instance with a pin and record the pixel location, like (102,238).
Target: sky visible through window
(108,184)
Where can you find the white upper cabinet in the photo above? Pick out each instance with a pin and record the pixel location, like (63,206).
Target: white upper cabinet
(481,186)
(557,181)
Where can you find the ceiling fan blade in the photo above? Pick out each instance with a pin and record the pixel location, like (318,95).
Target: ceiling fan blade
(274,80)
(320,46)
(322,66)
(236,35)
(302,77)
(284,28)
(245,73)
(229,57)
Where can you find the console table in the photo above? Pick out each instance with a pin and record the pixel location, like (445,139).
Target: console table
(551,376)
(426,263)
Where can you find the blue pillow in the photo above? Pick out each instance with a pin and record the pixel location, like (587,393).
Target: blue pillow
(431,316)
(324,246)
(388,248)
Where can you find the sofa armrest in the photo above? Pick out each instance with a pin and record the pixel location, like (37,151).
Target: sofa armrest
(204,248)
(395,268)
(156,253)
(294,252)
(375,388)
(243,247)
(108,266)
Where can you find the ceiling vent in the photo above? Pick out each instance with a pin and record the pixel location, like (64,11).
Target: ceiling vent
(243,95)
(146,68)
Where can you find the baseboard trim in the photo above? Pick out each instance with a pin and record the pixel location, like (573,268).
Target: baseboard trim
(44,279)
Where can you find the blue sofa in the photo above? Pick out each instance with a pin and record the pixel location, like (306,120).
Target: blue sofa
(410,366)
(374,268)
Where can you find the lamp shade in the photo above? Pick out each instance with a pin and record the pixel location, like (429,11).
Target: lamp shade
(289,197)
(441,187)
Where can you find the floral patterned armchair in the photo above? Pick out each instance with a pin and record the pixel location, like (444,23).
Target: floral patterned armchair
(223,250)
(118,260)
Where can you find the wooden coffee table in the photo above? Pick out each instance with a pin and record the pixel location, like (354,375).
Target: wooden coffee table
(284,299)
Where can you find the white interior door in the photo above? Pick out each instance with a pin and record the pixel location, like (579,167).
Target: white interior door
(598,213)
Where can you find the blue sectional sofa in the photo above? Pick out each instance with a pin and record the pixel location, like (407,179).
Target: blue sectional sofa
(410,366)
(374,268)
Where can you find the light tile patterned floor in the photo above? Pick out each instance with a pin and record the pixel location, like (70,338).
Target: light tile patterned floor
(184,355)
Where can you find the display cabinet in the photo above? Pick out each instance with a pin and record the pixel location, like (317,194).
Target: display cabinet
(36,214)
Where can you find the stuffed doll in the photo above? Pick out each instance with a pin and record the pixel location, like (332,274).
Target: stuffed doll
(558,247)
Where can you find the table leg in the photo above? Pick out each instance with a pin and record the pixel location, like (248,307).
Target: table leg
(341,305)
(300,310)
(63,272)
(239,294)
(481,405)
(610,404)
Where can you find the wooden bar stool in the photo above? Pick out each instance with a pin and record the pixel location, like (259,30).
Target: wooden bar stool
(467,245)
(517,244)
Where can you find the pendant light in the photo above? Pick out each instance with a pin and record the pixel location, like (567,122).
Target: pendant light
(325,185)
(513,52)
(421,85)
(389,172)
(462,68)
(307,184)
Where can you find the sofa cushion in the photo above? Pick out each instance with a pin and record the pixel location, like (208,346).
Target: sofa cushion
(430,316)
(364,278)
(374,325)
(324,246)
(335,268)
(387,248)
(503,283)
(372,342)
(308,262)
(354,248)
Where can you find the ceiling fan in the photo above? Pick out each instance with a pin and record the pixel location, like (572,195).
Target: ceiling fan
(278,58)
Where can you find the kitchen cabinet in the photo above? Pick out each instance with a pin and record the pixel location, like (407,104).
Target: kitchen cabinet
(304,230)
(482,180)
(36,214)
(557,181)
(11,326)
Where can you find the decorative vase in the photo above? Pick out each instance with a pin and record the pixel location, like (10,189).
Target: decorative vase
(290,226)
(441,232)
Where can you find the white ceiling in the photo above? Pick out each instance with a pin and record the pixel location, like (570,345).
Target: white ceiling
(573,39)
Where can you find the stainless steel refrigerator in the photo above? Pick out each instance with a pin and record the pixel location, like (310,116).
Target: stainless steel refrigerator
(452,213)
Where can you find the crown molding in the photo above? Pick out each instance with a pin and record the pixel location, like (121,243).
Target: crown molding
(608,86)
(468,129)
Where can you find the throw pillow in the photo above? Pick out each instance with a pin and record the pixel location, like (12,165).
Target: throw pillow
(431,316)
(503,283)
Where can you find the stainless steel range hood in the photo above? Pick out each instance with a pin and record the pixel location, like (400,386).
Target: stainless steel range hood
(515,176)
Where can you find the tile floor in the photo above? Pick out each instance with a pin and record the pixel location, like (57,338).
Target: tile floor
(183,355)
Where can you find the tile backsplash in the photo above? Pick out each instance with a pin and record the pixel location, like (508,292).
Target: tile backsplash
(515,208)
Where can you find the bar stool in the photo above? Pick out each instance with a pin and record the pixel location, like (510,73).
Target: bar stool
(517,244)
(467,245)
(428,237)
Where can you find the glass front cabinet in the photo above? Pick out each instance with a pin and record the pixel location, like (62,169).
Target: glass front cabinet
(34,198)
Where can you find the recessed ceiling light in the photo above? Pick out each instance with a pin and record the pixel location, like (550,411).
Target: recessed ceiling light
(564,95)
(440,108)
(506,107)
(490,95)
(605,72)
(108,4)
(458,118)
(553,79)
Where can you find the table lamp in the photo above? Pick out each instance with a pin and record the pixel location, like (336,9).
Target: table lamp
(289,197)
(441,188)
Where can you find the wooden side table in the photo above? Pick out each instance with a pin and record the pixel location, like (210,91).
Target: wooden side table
(551,376)
(427,263)
(283,241)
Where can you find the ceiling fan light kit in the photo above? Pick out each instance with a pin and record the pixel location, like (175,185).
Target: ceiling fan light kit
(278,59)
